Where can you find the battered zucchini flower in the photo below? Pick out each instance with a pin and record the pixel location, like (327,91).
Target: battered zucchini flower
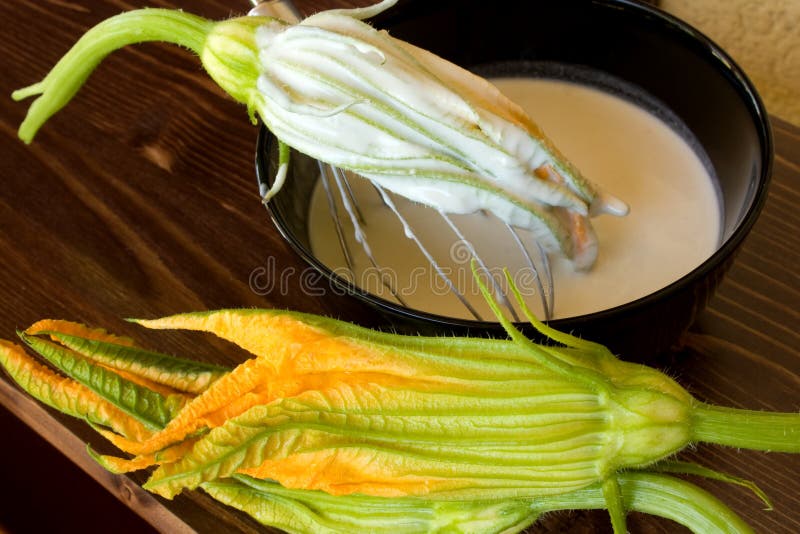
(343,92)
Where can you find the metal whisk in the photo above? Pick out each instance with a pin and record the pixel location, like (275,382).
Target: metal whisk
(344,203)
(353,227)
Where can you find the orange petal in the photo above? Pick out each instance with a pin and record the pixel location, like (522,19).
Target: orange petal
(45,326)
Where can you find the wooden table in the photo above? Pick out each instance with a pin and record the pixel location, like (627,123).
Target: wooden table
(139,199)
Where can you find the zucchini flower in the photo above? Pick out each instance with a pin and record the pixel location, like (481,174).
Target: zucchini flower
(347,94)
(315,512)
(334,427)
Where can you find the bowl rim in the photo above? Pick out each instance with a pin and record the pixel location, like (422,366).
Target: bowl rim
(758,194)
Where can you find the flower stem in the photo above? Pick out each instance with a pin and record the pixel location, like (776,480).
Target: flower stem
(747,429)
(74,68)
(660,495)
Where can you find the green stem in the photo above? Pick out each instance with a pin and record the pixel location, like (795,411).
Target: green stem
(616,508)
(124,29)
(747,429)
(659,495)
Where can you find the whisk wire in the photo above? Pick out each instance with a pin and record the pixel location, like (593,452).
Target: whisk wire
(357,220)
(546,295)
(409,231)
(337,221)
(474,253)
(539,267)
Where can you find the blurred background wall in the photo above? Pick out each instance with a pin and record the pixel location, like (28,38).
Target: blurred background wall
(762,36)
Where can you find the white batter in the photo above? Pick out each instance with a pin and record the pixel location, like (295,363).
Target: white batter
(672,227)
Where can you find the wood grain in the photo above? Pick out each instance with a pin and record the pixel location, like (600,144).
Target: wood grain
(139,199)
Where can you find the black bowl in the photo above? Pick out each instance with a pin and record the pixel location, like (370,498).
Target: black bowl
(689,77)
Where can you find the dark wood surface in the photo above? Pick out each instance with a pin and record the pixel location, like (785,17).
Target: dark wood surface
(139,199)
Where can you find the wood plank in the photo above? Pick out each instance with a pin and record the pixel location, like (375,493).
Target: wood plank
(126,204)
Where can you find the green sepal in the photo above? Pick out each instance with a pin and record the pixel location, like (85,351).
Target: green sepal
(688,468)
(230,56)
